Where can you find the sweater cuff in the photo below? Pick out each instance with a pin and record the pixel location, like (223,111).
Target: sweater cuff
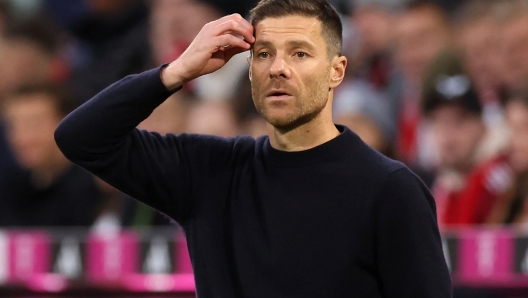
(156,72)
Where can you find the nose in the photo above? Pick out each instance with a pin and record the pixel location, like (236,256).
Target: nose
(279,67)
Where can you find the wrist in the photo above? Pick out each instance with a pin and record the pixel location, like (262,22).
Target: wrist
(171,78)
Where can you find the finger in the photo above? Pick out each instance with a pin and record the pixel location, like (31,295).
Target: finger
(248,28)
(230,41)
(243,22)
(235,27)
(232,51)
(231,17)
(239,19)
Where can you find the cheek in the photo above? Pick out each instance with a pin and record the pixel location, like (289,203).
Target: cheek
(255,91)
(443,133)
(520,142)
(468,134)
(317,84)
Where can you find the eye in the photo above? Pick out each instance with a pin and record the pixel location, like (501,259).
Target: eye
(263,55)
(301,54)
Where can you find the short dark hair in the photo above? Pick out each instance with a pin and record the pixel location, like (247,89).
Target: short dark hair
(332,28)
(63,101)
(40,31)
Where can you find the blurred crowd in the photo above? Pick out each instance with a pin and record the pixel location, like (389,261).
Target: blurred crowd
(439,85)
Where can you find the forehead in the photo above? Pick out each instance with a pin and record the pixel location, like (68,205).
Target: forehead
(450,110)
(283,28)
(413,21)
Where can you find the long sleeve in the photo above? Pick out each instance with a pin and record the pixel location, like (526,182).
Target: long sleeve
(408,245)
(101,137)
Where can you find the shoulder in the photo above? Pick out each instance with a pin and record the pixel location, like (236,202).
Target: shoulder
(403,192)
(368,160)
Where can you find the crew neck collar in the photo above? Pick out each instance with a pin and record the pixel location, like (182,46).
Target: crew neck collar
(338,147)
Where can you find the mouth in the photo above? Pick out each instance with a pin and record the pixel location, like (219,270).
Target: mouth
(278,94)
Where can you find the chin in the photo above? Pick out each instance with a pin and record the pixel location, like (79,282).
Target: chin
(26,161)
(291,122)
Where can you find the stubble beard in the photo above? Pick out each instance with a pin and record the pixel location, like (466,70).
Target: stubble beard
(305,108)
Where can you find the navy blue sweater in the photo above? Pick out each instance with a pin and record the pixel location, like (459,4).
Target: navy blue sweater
(338,220)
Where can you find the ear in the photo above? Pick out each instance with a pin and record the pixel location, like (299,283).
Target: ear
(250,61)
(337,73)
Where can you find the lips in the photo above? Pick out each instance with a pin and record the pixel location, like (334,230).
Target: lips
(278,93)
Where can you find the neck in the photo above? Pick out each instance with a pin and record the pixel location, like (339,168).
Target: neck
(318,131)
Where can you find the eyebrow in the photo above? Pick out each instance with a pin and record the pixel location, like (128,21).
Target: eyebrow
(300,44)
(262,43)
(292,43)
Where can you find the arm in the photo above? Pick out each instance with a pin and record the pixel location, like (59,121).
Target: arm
(408,246)
(101,136)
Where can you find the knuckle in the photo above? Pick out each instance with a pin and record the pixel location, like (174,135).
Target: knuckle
(232,24)
(225,38)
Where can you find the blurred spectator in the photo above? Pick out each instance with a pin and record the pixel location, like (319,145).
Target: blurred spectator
(515,208)
(4,16)
(363,109)
(467,185)
(173,25)
(515,44)
(370,71)
(109,40)
(51,191)
(368,49)
(422,31)
(169,117)
(479,37)
(212,118)
(247,118)
(30,53)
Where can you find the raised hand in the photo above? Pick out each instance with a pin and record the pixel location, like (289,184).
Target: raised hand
(214,45)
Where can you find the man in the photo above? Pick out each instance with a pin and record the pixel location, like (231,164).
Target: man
(421,32)
(468,183)
(513,44)
(308,211)
(28,54)
(479,29)
(50,191)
